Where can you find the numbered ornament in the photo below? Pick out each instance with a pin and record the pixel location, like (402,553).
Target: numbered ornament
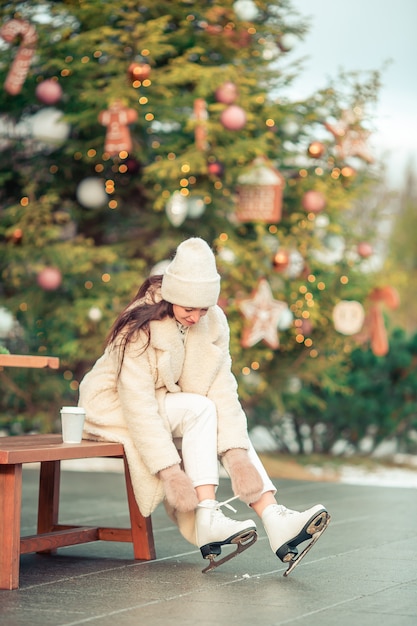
(91,193)
(348,317)
(49,278)
(233,117)
(49,92)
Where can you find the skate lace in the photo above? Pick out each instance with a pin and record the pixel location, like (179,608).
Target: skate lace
(282,510)
(216,506)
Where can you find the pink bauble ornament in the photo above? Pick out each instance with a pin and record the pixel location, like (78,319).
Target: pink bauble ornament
(215,168)
(49,278)
(226,93)
(365,249)
(313,201)
(233,118)
(49,92)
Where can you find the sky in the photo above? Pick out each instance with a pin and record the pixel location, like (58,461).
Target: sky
(356,35)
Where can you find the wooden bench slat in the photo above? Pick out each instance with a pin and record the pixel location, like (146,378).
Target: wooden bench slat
(28,360)
(36,448)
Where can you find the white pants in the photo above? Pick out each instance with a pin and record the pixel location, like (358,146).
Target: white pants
(193,421)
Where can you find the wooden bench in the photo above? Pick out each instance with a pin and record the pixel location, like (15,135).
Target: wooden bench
(49,451)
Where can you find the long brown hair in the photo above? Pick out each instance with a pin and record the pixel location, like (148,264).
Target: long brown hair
(135,318)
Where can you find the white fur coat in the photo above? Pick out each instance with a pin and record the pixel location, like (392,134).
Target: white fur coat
(129,408)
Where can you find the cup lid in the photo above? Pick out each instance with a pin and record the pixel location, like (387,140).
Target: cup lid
(72,409)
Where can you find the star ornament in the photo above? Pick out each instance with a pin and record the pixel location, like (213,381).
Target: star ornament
(351,139)
(263,314)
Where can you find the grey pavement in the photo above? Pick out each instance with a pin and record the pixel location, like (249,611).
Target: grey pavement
(362,571)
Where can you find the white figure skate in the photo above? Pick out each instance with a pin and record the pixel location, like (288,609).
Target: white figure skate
(214,530)
(286,529)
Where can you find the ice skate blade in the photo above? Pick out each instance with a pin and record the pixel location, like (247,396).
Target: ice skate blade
(242,543)
(315,537)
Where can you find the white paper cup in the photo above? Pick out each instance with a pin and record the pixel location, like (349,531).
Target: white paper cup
(72,422)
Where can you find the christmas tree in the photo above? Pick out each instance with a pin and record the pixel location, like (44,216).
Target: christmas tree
(128,127)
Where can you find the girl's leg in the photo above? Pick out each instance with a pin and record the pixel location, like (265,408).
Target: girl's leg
(286,529)
(269,491)
(193,420)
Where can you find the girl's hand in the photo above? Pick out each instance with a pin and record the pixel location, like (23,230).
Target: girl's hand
(179,490)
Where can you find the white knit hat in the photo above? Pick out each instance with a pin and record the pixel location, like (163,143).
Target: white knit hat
(191,279)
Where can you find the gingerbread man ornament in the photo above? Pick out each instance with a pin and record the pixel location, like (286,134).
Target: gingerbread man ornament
(116,119)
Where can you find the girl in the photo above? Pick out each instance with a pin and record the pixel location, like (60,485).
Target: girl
(165,390)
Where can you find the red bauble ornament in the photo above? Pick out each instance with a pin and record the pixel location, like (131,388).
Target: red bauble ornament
(313,201)
(316,149)
(281,260)
(49,92)
(138,71)
(227,93)
(133,165)
(215,168)
(233,118)
(365,249)
(49,278)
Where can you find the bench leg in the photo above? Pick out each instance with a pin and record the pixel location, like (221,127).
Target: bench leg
(142,533)
(48,503)
(10,511)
